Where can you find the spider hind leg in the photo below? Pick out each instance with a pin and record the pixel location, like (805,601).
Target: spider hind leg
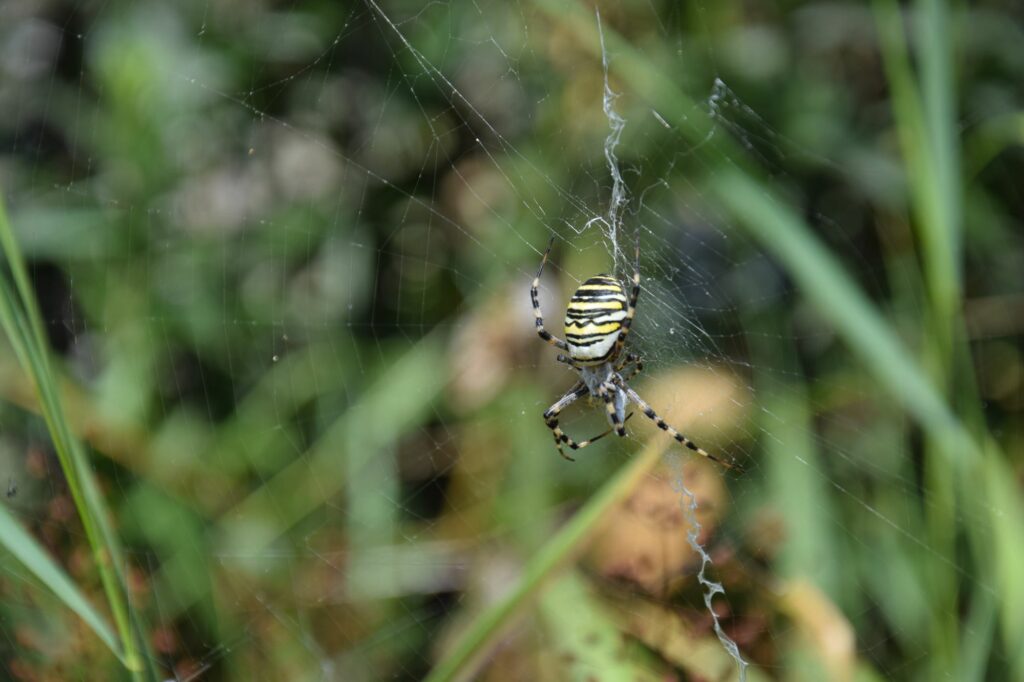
(653,416)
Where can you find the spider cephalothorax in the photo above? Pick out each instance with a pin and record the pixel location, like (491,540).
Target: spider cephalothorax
(597,323)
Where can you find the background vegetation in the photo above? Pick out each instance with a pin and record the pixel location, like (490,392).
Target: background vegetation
(271,389)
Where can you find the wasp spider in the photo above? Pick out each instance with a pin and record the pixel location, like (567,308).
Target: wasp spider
(597,322)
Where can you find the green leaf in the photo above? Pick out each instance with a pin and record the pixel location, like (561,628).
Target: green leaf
(25,549)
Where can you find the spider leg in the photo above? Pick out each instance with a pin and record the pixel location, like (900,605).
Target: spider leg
(631,309)
(626,359)
(608,392)
(639,367)
(541,332)
(652,415)
(551,419)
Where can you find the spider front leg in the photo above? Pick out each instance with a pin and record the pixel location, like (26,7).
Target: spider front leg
(541,332)
(653,416)
(551,419)
(620,342)
(637,368)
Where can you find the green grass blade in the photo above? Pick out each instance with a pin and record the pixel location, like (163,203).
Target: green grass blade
(936,50)
(561,549)
(586,638)
(400,398)
(22,322)
(932,169)
(990,139)
(823,280)
(30,553)
(1000,489)
(925,119)
(979,633)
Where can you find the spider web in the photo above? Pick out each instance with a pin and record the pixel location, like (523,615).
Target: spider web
(285,254)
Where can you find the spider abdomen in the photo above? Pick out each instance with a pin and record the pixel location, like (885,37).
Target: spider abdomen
(593,320)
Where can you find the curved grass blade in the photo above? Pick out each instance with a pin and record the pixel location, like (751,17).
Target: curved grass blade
(22,322)
(559,551)
(823,280)
(587,639)
(25,549)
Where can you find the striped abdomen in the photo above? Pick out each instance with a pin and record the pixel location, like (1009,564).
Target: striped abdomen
(594,318)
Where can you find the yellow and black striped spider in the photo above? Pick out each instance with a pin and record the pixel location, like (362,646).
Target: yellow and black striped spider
(597,322)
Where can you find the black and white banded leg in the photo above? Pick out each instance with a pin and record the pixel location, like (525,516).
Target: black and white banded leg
(653,416)
(551,419)
(626,360)
(566,360)
(620,342)
(541,332)
(607,392)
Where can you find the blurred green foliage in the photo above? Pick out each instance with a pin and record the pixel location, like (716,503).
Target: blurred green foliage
(281,253)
